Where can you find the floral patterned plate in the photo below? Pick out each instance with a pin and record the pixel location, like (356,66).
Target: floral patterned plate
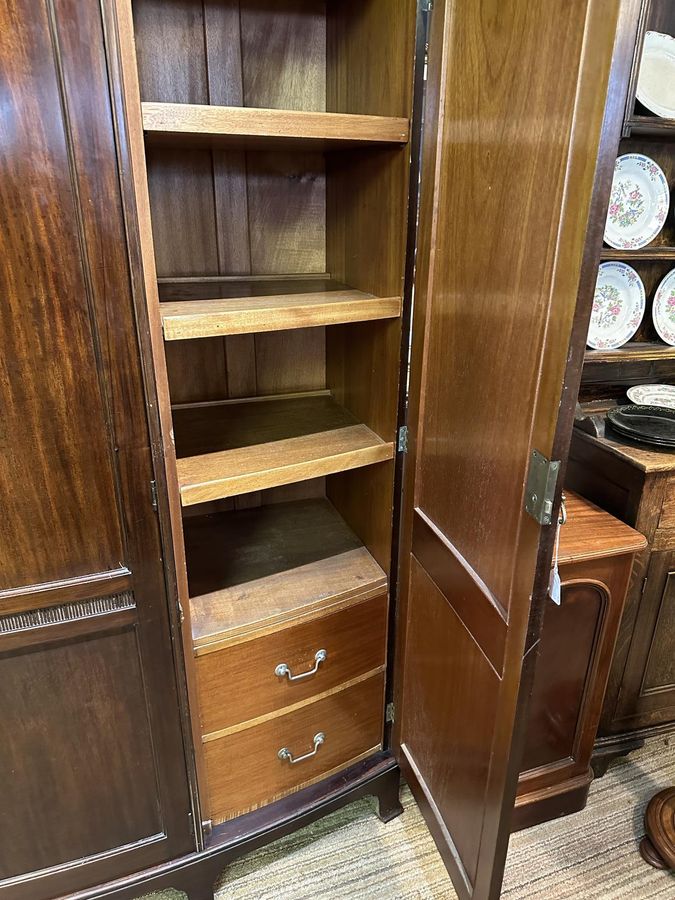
(656,82)
(618,306)
(663,310)
(639,203)
(653,395)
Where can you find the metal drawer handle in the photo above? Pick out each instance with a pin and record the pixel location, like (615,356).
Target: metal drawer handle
(285,753)
(282,669)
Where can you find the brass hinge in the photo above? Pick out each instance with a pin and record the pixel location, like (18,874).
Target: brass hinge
(181,613)
(389,713)
(403,439)
(542,477)
(207,828)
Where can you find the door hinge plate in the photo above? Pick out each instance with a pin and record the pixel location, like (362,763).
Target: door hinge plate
(403,439)
(389,713)
(153,495)
(542,477)
(207,828)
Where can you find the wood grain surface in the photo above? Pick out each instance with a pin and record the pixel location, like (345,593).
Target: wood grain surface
(239,126)
(209,318)
(591,533)
(482,398)
(254,568)
(239,683)
(56,465)
(244,771)
(226,473)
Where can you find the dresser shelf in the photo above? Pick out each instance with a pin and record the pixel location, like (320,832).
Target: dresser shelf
(210,309)
(256,568)
(239,126)
(643,351)
(654,252)
(235,447)
(652,126)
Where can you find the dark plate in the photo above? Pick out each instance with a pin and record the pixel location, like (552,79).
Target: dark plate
(652,424)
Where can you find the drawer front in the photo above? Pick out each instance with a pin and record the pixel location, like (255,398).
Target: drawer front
(239,683)
(667,518)
(244,771)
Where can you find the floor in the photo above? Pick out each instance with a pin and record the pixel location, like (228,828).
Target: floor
(349,854)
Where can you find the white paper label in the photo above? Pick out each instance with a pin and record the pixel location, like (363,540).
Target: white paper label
(554,586)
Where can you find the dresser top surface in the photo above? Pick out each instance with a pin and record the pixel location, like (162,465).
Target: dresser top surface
(641,457)
(592,533)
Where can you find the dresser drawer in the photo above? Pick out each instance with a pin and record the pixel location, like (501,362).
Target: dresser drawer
(244,770)
(239,682)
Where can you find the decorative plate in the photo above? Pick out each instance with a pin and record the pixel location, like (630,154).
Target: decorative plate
(651,424)
(639,203)
(656,81)
(653,395)
(618,306)
(663,309)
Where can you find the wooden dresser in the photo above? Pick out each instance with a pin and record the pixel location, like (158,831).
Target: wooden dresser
(595,558)
(637,485)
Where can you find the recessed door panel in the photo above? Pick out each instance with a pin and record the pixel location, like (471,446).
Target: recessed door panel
(450,679)
(76,757)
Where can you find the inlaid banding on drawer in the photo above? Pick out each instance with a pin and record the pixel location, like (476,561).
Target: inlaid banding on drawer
(239,683)
(244,769)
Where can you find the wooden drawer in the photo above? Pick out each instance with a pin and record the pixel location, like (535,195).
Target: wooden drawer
(243,768)
(238,683)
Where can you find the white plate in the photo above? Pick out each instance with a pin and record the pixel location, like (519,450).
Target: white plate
(653,395)
(639,203)
(618,306)
(663,309)
(656,81)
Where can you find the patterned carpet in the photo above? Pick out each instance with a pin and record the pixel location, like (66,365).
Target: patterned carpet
(589,856)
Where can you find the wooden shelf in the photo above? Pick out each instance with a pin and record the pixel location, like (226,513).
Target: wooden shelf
(231,448)
(256,568)
(251,127)
(654,252)
(636,350)
(652,125)
(209,309)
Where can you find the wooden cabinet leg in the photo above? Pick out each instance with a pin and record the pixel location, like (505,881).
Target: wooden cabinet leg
(610,748)
(388,796)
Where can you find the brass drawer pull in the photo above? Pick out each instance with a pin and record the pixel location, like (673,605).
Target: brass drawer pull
(285,753)
(282,669)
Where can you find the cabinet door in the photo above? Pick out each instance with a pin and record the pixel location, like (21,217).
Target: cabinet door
(647,694)
(512,129)
(91,757)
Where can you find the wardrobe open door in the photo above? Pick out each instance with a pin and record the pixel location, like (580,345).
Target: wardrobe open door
(514,114)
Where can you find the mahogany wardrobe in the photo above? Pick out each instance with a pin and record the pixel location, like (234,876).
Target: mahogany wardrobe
(294,302)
